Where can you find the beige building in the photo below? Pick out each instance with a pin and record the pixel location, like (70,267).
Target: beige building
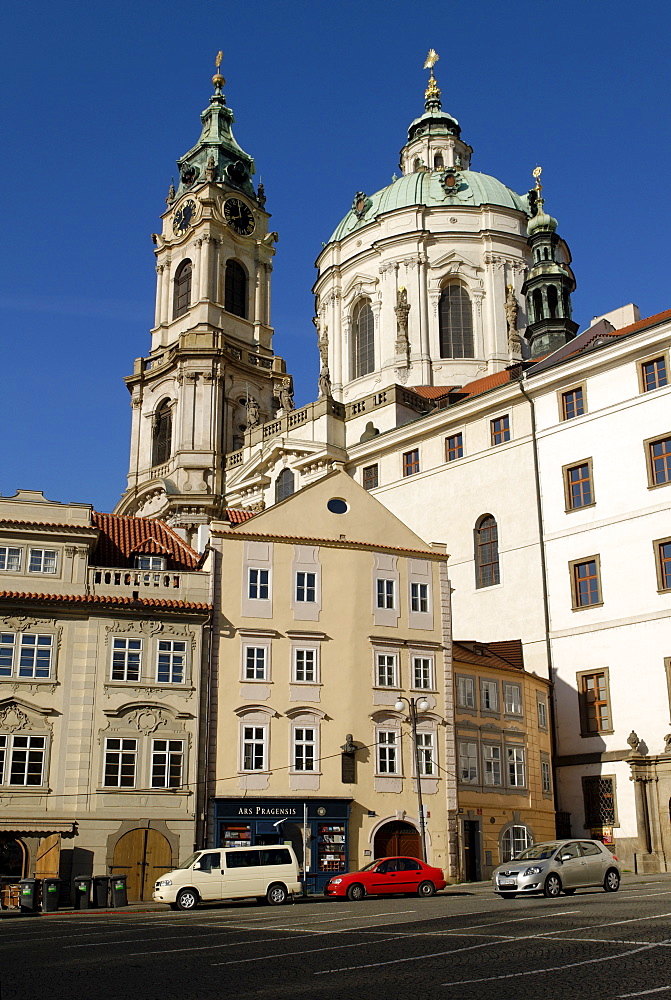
(101,625)
(329,611)
(504,747)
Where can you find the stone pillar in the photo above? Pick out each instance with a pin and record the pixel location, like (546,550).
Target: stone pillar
(205,266)
(165,289)
(642,817)
(424,344)
(159,294)
(339,343)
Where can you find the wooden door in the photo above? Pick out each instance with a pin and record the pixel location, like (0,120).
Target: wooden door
(397,839)
(143,855)
(472,850)
(47,861)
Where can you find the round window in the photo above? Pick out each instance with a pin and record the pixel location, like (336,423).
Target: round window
(337,506)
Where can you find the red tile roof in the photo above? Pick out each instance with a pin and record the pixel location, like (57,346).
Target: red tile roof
(431,391)
(146,602)
(121,538)
(236,516)
(486,383)
(500,655)
(6,522)
(643,324)
(510,650)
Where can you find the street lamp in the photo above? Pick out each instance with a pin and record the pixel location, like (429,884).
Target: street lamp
(421,704)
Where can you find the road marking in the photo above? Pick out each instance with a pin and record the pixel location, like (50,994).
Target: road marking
(558,968)
(363,916)
(660,989)
(308,951)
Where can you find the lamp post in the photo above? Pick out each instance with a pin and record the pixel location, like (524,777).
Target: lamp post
(422,704)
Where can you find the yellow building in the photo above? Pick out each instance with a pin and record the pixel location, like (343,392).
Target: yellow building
(502,722)
(331,611)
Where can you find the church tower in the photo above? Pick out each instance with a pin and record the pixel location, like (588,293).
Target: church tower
(211,372)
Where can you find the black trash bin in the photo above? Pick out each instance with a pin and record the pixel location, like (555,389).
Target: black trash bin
(101,885)
(82,892)
(119,893)
(51,888)
(28,895)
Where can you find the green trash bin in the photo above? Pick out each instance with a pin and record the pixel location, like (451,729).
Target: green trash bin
(28,895)
(51,888)
(118,888)
(82,892)
(101,885)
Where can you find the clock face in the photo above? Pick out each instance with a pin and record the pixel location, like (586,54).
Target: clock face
(239,217)
(183,217)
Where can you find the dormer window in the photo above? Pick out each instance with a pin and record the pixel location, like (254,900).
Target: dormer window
(150,562)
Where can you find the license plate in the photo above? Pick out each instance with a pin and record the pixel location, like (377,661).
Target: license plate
(507,882)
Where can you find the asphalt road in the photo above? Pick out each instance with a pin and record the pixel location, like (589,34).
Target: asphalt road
(464,943)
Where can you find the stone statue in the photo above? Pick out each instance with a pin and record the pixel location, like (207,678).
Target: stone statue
(512,309)
(286,396)
(253,413)
(171,192)
(322,342)
(633,741)
(402,308)
(261,195)
(211,170)
(667,743)
(324,383)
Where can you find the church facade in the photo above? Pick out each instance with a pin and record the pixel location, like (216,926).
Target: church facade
(455,387)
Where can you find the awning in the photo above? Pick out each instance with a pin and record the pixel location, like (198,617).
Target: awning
(38,827)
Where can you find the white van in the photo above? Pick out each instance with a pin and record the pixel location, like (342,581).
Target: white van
(269,873)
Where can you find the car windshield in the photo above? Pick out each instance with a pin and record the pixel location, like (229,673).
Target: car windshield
(189,861)
(539,852)
(369,867)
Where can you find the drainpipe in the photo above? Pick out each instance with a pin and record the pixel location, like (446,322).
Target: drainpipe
(544,580)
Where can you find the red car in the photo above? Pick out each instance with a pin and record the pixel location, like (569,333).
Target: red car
(388,875)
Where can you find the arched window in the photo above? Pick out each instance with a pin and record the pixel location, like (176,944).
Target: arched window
(284,485)
(162,441)
(363,340)
(455,322)
(438,161)
(182,292)
(514,840)
(417,165)
(486,552)
(552,301)
(235,289)
(538,305)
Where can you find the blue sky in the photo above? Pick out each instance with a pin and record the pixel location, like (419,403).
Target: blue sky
(100,100)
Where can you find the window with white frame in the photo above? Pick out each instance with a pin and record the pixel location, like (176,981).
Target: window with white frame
(305,665)
(489,696)
(150,562)
(259,584)
(386,594)
(491,759)
(546,780)
(419,597)
(387,670)
(512,699)
(10,558)
(171,663)
(26,654)
(516,767)
(304,748)
(542,715)
(42,561)
(22,760)
(167,763)
(468,761)
(514,840)
(387,751)
(422,672)
(426,751)
(466,692)
(120,763)
(254,747)
(306,587)
(126,659)
(256,663)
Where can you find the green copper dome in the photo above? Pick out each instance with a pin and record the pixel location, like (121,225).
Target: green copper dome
(425,188)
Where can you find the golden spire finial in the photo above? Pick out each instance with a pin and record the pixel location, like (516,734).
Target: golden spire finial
(218,79)
(536,172)
(432,92)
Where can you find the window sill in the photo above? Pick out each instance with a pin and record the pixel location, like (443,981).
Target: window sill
(25,789)
(467,709)
(147,686)
(4,679)
(586,607)
(255,680)
(513,716)
(115,790)
(490,713)
(301,774)
(585,506)
(658,486)
(243,774)
(595,736)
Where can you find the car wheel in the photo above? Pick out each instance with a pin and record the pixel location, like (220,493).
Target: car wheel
(426,889)
(187,899)
(507,895)
(552,887)
(276,895)
(569,892)
(356,892)
(611,883)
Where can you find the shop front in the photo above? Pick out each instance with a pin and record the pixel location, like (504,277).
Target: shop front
(317,829)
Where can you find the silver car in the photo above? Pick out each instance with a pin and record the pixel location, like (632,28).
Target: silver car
(558,866)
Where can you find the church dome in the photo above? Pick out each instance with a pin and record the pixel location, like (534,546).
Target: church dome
(425,187)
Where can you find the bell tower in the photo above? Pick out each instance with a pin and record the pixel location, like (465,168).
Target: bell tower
(210,373)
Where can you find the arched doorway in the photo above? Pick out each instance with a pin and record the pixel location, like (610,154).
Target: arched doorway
(143,855)
(397,838)
(13,858)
